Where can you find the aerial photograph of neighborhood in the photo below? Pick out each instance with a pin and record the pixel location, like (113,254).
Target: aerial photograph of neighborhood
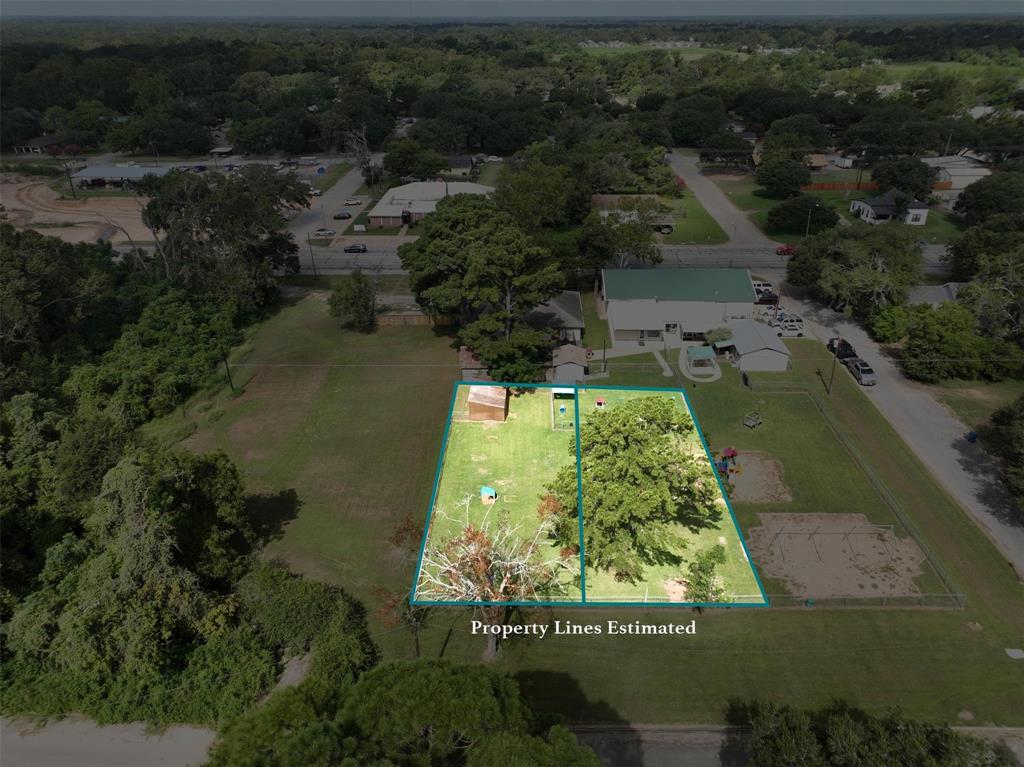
(511,383)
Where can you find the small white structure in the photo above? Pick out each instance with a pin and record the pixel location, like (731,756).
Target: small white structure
(409,203)
(884,208)
(842,161)
(756,346)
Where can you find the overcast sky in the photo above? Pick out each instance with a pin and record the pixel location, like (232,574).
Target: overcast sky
(491,9)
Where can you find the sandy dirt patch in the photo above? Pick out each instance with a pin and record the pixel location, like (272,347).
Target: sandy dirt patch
(759,479)
(32,203)
(835,555)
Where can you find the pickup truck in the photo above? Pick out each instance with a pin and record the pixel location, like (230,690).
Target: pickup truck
(842,348)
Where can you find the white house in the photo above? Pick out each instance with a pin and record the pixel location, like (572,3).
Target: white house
(409,203)
(882,209)
(669,306)
(756,346)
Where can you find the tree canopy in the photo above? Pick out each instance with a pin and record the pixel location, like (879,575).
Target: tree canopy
(640,482)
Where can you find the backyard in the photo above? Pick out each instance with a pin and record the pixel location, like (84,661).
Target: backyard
(517,458)
(337,435)
(693,224)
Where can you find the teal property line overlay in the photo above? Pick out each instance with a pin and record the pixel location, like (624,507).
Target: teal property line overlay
(582,601)
(579,495)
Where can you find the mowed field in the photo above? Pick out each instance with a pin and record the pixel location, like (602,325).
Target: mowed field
(342,437)
(517,458)
(737,577)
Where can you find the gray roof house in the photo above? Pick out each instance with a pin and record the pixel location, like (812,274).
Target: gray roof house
(757,347)
(670,306)
(934,294)
(884,207)
(563,315)
(118,173)
(417,200)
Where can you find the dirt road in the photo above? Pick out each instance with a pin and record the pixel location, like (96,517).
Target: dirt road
(83,743)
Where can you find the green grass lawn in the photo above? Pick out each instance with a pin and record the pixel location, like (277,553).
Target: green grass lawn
(693,224)
(748,196)
(518,458)
(340,433)
(489,173)
(737,578)
(595,330)
(331,177)
(974,402)
(387,283)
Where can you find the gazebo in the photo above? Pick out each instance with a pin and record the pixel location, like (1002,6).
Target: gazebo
(700,358)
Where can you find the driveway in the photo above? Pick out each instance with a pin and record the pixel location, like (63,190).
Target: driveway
(933,433)
(734,222)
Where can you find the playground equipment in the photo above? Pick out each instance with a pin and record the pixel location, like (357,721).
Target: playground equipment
(488,495)
(752,420)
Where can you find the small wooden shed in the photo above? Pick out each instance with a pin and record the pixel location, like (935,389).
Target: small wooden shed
(488,403)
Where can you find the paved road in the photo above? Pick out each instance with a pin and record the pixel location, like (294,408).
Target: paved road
(935,435)
(321,208)
(741,231)
(83,743)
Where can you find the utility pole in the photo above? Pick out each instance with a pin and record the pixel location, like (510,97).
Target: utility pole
(227,369)
(832,376)
(312,259)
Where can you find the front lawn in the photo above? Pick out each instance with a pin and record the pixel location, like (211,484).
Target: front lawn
(364,219)
(974,402)
(333,175)
(693,224)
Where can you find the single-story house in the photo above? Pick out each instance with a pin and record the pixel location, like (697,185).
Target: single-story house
(569,364)
(222,151)
(37,145)
(409,203)
(816,162)
(562,315)
(674,305)
(934,294)
(757,347)
(883,208)
(117,174)
(958,171)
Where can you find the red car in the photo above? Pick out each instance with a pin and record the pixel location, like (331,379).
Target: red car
(786,250)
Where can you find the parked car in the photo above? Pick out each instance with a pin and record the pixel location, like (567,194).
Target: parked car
(314,191)
(353,201)
(842,348)
(762,285)
(342,215)
(862,371)
(766,297)
(786,250)
(355,248)
(839,305)
(790,328)
(324,232)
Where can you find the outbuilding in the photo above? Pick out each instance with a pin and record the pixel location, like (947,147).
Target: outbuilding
(756,346)
(569,364)
(488,403)
(37,145)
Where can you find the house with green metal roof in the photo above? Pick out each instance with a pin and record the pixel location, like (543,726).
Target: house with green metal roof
(671,306)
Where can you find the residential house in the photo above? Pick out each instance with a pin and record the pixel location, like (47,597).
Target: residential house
(816,162)
(671,306)
(37,145)
(562,316)
(885,208)
(934,294)
(956,172)
(755,346)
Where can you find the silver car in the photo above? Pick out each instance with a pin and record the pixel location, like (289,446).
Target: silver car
(862,371)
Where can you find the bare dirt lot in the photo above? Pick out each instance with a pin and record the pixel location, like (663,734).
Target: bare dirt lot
(759,479)
(835,555)
(32,204)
